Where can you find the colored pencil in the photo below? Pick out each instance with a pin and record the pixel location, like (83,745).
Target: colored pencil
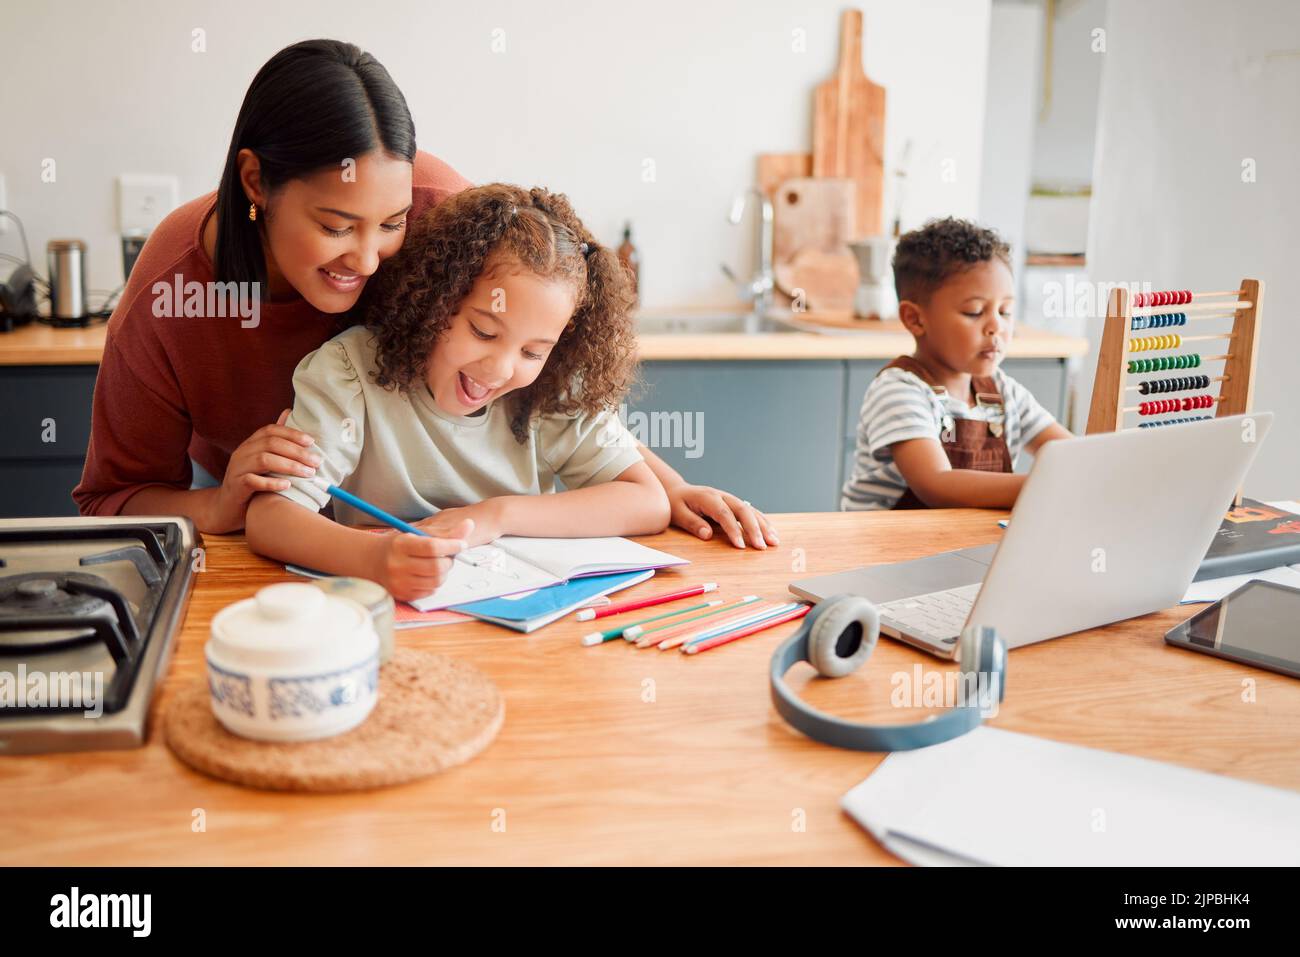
(697,647)
(599,637)
(758,613)
(374,511)
(661,631)
(588,614)
(632,632)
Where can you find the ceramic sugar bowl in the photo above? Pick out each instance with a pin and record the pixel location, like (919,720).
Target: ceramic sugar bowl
(292,664)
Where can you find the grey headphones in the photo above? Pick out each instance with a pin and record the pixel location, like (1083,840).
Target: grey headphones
(836,637)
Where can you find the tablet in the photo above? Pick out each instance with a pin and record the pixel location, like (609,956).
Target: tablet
(1258,624)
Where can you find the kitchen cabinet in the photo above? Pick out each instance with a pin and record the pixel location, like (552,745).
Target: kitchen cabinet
(45,428)
(782,433)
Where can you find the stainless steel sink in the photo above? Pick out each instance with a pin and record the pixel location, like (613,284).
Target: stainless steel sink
(708,324)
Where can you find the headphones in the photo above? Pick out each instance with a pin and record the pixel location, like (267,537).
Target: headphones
(837,636)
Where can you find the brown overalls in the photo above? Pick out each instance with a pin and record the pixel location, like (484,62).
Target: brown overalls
(968,443)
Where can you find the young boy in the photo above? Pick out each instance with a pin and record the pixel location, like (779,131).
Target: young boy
(942,428)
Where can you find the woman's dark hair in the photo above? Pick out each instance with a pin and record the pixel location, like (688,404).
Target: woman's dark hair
(311,106)
(413,298)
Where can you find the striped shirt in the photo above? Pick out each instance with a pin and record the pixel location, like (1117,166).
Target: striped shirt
(900,406)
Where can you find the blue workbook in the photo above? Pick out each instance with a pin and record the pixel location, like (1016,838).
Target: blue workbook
(532,610)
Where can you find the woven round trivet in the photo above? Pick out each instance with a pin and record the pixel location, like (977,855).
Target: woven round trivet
(433,712)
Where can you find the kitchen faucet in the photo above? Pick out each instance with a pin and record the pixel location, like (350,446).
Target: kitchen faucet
(758,290)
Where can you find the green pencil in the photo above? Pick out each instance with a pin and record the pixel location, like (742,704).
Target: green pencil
(634,633)
(599,637)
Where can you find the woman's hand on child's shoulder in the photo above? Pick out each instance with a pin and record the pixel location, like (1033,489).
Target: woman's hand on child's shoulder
(412,566)
(695,505)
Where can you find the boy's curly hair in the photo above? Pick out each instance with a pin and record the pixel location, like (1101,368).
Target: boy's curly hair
(411,301)
(927,257)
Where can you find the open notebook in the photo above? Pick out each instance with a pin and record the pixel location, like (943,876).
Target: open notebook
(512,564)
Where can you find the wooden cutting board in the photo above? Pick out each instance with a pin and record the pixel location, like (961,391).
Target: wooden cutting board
(811,213)
(820,280)
(849,127)
(775,168)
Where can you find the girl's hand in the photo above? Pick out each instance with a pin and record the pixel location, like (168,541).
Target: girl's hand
(693,505)
(272,448)
(484,517)
(412,566)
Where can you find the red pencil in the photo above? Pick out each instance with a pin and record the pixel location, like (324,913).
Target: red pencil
(732,636)
(587,614)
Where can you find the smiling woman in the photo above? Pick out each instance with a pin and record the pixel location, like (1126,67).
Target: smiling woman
(320,178)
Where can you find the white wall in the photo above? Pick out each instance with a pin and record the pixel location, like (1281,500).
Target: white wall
(1190,89)
(583,94)
(1067,121)
(1011,111)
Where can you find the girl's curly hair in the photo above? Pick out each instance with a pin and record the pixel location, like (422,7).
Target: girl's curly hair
(411,301)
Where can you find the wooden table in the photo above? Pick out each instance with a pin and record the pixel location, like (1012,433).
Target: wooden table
(611,755)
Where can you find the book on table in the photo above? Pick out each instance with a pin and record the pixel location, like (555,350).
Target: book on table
(513,564)
(1253,537)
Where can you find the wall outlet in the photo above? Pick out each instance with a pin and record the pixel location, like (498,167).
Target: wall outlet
(143,200)
(4,204)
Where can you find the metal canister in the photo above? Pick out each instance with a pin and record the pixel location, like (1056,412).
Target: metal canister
(67,263)
(374,598)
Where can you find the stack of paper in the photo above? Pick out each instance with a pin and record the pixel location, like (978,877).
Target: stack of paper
(996,797)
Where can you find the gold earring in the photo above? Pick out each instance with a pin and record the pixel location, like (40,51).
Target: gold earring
(252,212)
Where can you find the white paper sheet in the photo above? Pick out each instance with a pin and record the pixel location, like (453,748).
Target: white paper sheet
(1212,589)
(1002,798)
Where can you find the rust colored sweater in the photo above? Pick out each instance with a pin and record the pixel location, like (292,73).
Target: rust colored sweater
(171,389)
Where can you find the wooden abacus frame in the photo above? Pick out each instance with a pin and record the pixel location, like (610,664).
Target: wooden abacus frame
(1237,380)
(1238,376)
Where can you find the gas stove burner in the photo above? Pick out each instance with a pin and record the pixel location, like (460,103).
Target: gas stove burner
(40,611)
(99,598)
(40,592)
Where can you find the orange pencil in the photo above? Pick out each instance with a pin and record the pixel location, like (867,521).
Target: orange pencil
(741,633)
(742,618)
(719,615)
(659,631)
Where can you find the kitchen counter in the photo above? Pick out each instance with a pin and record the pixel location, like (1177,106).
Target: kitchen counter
(41,345)
(883,339)
(611,755)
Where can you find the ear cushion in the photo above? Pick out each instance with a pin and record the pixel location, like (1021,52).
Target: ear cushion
(981,651)
(843,635)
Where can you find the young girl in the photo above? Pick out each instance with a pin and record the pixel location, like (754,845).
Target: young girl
(496,346)
(942,428)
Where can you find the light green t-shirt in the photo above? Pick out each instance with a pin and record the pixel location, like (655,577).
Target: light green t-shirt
(404,454)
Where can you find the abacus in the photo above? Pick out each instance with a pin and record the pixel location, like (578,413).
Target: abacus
(1122,356)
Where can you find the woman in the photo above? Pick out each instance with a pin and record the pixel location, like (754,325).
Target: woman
(320,179)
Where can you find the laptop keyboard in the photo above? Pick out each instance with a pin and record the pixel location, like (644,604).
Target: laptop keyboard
(940,615)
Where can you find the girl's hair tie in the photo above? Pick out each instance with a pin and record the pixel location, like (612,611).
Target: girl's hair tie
(586,248)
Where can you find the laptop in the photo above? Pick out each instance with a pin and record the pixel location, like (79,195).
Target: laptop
(1107,527)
